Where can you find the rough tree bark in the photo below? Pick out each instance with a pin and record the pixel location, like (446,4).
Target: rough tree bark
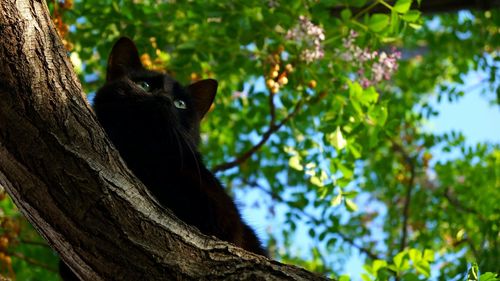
(67,179)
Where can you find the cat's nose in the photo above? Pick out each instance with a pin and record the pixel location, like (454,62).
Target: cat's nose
(164,98)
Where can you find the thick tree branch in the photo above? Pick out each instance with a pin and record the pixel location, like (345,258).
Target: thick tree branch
(64,175)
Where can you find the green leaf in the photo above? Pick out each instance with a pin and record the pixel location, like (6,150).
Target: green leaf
(378,264)
(368,269)
(354,149)
(346,14)
(294,163)
(337,140)
(378,115)
(378,22)
(344,278)
(355,91)
(415,26)
(415,255)
(428,255)
(424,268)
(369,96)
(365,277)
(489,276)
(350,194)
(393,268)
(351,206)
(316,181)
(346,172)
(410,276)
(402,6)
(399,258)
(336,200)
(411,16)
(394,23)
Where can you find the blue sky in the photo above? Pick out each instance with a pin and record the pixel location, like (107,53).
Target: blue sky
(473,114)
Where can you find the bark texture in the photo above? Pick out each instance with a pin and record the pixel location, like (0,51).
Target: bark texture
(67,179)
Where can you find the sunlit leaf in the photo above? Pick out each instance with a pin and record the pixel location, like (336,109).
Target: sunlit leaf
(424,268)
(489,276)
(346,278)
(316,181)
(428,255)
(336,200)
(411,16)
(337,139)
(402,6)
(294,163)
(351,206)
(415,255)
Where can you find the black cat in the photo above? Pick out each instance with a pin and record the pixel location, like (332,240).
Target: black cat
(154,122)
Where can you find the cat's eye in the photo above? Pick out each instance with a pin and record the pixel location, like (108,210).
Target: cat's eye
(144,85)
(180,104)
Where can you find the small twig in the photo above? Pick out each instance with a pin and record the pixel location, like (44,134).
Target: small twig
(272,109)
(385,4)
(365,10)
(454,201)
(473,248)
(409,188)
(35,243)
(406,210)
(265,137)
(360,248)
(33,261)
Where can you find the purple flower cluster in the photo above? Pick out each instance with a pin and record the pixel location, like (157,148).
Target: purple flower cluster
(383,64)
(309,36)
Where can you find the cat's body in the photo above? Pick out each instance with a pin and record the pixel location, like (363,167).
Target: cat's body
(153,121)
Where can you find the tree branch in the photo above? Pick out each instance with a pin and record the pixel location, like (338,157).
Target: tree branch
(33,261)
(409,188)
(272,109)
(35,243)
(63,174)
(448,194)
(265,137)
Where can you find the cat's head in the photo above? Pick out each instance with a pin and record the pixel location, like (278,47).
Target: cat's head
(132,95)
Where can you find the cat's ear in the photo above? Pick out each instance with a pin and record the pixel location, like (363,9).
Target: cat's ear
(124,57)
(203,94)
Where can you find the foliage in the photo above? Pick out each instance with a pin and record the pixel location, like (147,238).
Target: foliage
(24,255)
(319,115)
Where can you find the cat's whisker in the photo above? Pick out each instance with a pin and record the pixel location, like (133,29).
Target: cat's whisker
(179,147)
(193,154)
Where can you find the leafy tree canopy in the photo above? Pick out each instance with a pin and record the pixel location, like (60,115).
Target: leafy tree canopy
(320,113)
